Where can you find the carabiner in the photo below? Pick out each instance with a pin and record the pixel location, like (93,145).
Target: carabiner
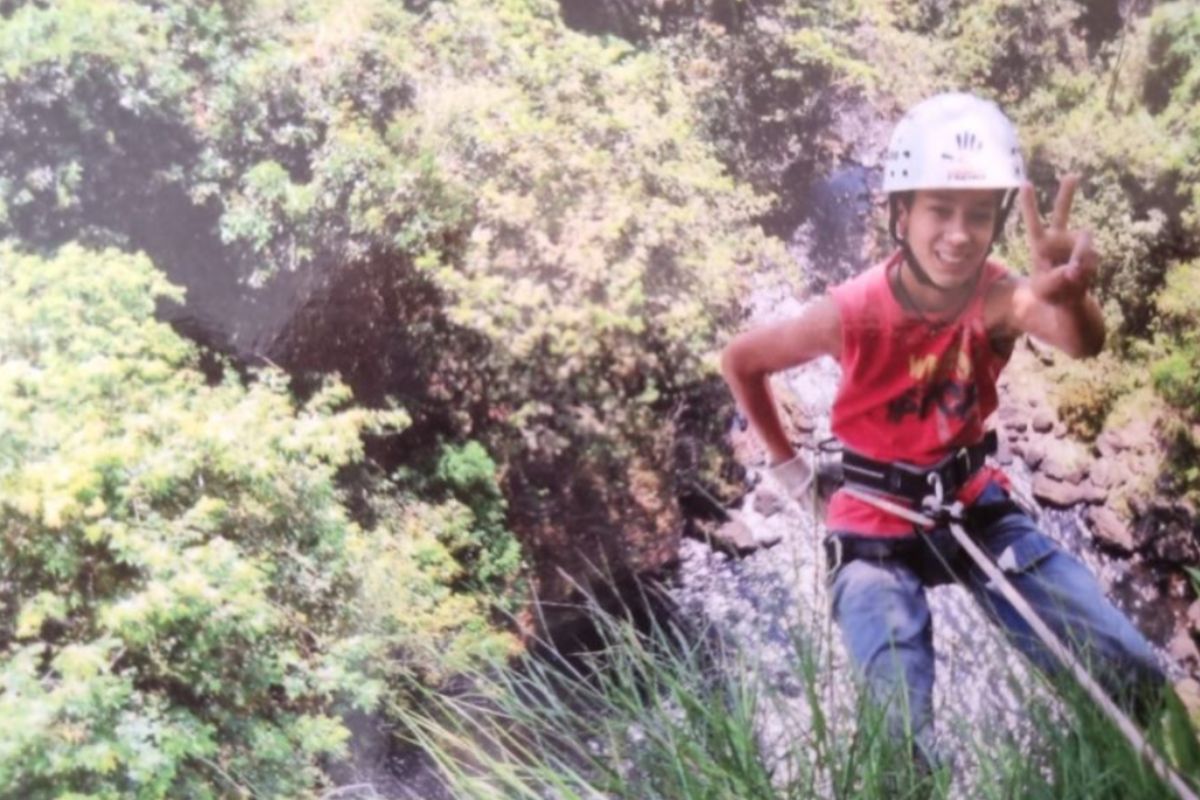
(934,503)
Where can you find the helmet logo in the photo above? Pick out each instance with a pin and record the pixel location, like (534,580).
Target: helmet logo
(965,164)
(967,141)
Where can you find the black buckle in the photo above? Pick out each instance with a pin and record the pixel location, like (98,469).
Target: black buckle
(901,479)
(841,550)
(962,463)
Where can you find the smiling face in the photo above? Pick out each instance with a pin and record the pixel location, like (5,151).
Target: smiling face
(949,231)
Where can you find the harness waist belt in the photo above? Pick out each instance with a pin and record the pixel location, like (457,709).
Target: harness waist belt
(842,549)
(912,482)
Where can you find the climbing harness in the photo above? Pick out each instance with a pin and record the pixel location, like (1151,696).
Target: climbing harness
(936,513)
(906,480)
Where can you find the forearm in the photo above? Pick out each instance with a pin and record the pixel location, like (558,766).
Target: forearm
(756,400)
(1082,328)
(752,357)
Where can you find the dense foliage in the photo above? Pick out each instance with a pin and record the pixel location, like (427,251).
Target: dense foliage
(200,569)
(540,257)
(529,238)
(187,605)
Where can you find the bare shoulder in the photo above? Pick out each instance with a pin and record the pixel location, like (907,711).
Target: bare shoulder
(814,332)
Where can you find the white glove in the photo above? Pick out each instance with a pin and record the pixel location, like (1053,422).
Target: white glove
(794,478)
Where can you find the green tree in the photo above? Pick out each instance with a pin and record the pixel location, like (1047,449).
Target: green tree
(187,603)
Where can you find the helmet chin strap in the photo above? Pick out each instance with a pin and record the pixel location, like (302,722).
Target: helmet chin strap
(918,271)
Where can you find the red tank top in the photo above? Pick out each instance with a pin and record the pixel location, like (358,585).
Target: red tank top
(911,390)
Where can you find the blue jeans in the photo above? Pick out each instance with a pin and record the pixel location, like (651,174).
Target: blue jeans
(881,608)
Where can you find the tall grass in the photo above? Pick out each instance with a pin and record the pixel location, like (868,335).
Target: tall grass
(667,711)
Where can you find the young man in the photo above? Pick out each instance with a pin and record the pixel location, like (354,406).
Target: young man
(922,338)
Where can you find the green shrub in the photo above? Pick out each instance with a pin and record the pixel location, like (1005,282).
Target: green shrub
(95,120)
(535,210)
(486,545)
(1171,87)
(1177,373)
(767,79)
(1177,378)
(1182,474)
(1086,391)
(1178,302)
(187,604)
(1008,46)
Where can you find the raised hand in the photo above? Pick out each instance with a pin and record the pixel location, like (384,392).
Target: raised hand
(1064,261)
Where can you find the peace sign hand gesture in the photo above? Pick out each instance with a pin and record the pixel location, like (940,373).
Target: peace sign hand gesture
(1064,261)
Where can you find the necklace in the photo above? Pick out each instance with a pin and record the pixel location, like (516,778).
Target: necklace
(908,302)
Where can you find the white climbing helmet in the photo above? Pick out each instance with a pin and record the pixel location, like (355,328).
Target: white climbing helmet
(953,141)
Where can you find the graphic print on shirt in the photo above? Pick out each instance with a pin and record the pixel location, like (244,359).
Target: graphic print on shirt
(942,382)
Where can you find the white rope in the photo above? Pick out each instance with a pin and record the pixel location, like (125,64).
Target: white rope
(1065,656)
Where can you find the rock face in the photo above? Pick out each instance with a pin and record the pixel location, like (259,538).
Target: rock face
(1063,493)
(1110,530)
(1114,483)
(1114,478)
(735,536)
(767,502)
